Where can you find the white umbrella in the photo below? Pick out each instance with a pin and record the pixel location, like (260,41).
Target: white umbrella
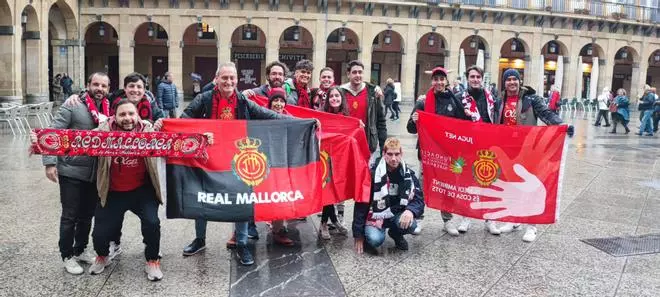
(559,73)
(578,81)
(461,67)
(480,59)
(541,77)
(593,88)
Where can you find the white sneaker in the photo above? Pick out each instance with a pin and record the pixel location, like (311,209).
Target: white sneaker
(99,265)
(492,228)
(325,233)
(418,228)
(530,234)
(72,266)
(87,257)
(509,227)
(152,268)
(450,227)
(464,225)
(115,250)
(340,228)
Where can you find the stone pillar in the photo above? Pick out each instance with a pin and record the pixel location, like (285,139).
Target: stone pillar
(494,54)
(175,55)
(409,62)
(451,62)
(639,72)
(606,70)
(126,47)
(224,42)
(366,45)
(43,84)
(8,57)
(32,68)
(272,40)
(571,68)
(533,64)
(320,48)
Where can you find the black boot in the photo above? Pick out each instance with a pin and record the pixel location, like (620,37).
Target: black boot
(198,245)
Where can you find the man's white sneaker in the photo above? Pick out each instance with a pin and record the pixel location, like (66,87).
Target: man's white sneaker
(72,266)
(418,228)
(530,234)
(99,265)
(325,233)
(153,271)
(509,227)
(450,227)
(115,250)
(87,257)
(492,228)
(464,225)
(340,228)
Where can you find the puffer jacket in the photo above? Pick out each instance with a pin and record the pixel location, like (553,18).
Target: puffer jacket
(103,172)
(167,96)
(530,109)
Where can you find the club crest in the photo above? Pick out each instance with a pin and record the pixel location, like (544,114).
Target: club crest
(250,165)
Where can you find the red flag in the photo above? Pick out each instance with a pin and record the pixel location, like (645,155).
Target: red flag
(504,173)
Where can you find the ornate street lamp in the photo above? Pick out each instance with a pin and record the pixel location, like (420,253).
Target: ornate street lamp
(150,31)
(101,30)
(431,41)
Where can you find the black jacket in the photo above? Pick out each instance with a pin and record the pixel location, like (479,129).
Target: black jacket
(389,95)
(202,106)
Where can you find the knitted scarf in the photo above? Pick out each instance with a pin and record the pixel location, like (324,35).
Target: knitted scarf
(303,95)
(143,108)
(471,109)
(91,106)
(382,202)
(223,109)
(429,101)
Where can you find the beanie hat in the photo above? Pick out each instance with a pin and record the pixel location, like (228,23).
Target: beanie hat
(275,93)
(510,72)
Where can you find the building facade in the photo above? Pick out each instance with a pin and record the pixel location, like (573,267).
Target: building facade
(580,46)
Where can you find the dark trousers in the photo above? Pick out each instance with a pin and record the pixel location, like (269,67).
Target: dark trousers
(142,202)
(390,109)
(397,110)
(656,119)
(329,213)
(170,113)
(602,114)
(618,119)
(79,199)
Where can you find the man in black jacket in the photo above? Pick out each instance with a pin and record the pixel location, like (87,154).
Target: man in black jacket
(396,201)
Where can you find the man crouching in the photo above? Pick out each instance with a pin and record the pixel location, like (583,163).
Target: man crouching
(396,200)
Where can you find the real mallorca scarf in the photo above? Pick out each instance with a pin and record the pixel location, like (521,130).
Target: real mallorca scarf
(382,201)
(303,95)
(223,109)
(472,110)
(91,106)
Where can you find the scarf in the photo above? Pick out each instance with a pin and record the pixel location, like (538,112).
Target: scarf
(143,108)
(321,95)
(91,106)
(223,109)
(471,109)
(303,95)
(382,202)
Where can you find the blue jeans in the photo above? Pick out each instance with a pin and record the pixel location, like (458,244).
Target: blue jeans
(241,229)
(647,123)
(376,236)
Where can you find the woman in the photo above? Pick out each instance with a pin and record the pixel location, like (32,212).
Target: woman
(335,102)
(603,99)
(554,99)
(389,98)
(619,110)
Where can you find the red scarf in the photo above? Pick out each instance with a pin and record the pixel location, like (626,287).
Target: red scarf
(303,96)
(470,105)
(143,108)
(429,101)
(224,109)
(91,106)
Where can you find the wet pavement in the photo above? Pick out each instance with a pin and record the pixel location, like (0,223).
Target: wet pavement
(611,188)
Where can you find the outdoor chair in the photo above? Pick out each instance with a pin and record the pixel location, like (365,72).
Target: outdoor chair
(35,111)
(8,115)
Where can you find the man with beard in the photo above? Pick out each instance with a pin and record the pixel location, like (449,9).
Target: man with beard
(76,175)
(520,106)
(224,102)
(297,88)
(327,81)
(364,104)
(276,71)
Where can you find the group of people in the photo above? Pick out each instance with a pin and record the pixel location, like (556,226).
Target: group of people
(107,187)
(61,86)
(618,107)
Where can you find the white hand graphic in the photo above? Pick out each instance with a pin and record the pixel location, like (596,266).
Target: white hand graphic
(518,199)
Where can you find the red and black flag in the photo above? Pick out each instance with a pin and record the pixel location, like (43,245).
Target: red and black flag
(261,170)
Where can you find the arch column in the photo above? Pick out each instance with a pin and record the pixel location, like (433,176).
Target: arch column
(639,71)
(607,69)
(494,65)
(126,52)
(572,68)
(454,43)
(366,44)
(533,65)
(409,61)
(224,46)
(320,49)
(9,55)
(175,55)
(272,40)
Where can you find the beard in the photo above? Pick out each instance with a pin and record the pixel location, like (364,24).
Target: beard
(127,125)
(275,83)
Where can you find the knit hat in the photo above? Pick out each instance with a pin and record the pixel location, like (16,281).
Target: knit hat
(275,93)
(510,72)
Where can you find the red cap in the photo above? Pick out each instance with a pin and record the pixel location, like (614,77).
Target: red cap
(438,70)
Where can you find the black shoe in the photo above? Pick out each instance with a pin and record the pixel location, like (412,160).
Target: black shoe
(597,124)
(607,125)
(399,242)
(253,233)
(244,255)
(195,247)
(369,249)
(612,132)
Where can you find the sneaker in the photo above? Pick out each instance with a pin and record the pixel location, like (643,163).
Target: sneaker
(340,217)
(325,233)
(153,270)
(509,227)
(400,242)
(418,228)
(86,257)
(450,227)
(281,239)
(252,232)
(648,134)
(194,247)
(340,228)
(231,243)
(115,250)
(72,266)
(492,228)
(530,234)
(464,225)
(99,265)
(244,255)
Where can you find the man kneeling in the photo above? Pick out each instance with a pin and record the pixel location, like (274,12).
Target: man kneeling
(396,200)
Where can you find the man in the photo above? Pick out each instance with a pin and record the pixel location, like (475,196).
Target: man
(276,72)
(457,88)
(326,81)
(224,102)
(298,88)
(521,106)
(390,95)
(441,101)
(167,96)
(67,84)
(396,200)
(76,175)
(127,183)
(365,105)
(646,112)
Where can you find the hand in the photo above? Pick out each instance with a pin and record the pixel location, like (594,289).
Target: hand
(73,100)
(379,92)
(415,117)
(209,137)
(570,131)
(248,93)
(406,220)
(359,245)
(362,125)
(51,173)
(518,199)
(33,137)
(158,125)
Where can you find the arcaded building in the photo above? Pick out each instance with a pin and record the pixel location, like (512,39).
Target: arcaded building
(580,46)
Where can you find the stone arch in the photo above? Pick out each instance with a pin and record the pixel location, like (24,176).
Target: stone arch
(62,16)
(471,46)
(387,56)
(248,52)
(151,41)
(101,51)
(654,58)
(6,18)
(296,43)
(432,49)
(630,54)
(520,45)
(596,50)
(200,56)
(625,69)
(561,48)
(32,18)
(342,45)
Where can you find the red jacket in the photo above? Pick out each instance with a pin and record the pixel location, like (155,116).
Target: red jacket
(554,99)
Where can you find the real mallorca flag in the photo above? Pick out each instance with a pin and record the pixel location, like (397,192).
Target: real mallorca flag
(261,170)
(344,154)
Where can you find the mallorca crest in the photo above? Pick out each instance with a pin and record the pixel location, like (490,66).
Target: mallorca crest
(326,162)
(485,170)
(250,165)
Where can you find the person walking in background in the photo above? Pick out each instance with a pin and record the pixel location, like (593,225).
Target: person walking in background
(555,99)
(603,109)
(646,108)
(395,104)
(619,110)
(57,88)
(66,83)
(493,90)
(390,95)
(167,96)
